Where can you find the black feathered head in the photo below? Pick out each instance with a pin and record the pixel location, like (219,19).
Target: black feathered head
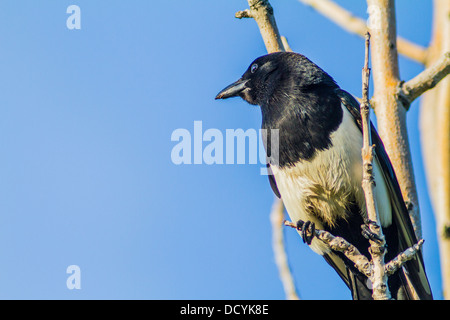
(281,70)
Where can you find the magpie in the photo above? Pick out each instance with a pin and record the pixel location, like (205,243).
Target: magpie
(318,172)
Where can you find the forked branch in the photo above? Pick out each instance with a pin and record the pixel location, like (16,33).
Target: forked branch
(262,12)
(426,80)
(340,245)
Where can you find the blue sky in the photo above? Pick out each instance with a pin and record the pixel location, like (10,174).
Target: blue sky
(85,130)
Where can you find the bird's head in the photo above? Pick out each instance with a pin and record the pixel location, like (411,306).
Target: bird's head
(256,83)
(281,70)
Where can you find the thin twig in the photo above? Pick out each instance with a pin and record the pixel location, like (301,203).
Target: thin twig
(286,45)
(426,80)
(401,258)
(377,248)
(341,245)
(262,12)
(281,259)
(243,14)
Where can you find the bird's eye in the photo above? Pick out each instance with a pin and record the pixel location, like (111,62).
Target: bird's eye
(253,67)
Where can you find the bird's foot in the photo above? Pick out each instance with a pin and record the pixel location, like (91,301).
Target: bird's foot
(368,234)
(307,229)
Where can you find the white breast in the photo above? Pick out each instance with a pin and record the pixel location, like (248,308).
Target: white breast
(319,190)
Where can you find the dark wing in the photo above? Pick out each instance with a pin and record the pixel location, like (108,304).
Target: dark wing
(413,277)
(355,280)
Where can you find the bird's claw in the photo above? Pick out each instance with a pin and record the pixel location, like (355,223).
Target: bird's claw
(368,234)
(307,229)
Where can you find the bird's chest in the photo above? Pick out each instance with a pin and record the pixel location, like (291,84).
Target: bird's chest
(321,189)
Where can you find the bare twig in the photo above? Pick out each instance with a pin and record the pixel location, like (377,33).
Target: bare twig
(426,80)
(341,245)
(281,259)
(262,12)
(286,45)
(360,261)
(401,258)
(244,14)
(377,248)
(349,22)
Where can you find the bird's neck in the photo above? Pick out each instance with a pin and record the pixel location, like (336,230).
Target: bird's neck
(304,122)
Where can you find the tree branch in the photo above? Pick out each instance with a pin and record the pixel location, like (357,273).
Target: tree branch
(426,80)
(434,133)
(243,14)
(286,45)
(281,259)
(349,22)
(401,258)
(341,245)
(377,250)
(360,261)
(389,109)
(262,12)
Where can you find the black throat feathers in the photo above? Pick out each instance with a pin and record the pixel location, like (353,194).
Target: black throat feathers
(305,118)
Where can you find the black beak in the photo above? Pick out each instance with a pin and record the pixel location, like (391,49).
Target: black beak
(232,90)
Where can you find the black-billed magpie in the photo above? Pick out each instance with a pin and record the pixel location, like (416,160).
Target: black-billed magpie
(318,174)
